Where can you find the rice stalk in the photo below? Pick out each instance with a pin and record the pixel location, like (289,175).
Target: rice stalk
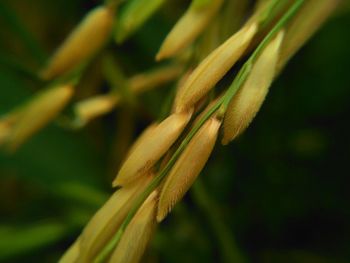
(120,231)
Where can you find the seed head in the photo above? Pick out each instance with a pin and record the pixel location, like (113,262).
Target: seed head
(246,103)
(187,167)
(214,67)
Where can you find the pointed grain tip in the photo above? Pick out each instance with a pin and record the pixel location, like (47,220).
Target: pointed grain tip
(160,56)
(116,183)
(160,217)
(224,141)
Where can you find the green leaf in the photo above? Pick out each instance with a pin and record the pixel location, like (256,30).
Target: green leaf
(16,241)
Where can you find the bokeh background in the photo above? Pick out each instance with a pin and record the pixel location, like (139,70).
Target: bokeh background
(280,193)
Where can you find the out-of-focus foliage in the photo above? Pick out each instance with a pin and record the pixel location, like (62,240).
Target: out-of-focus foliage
(278,194)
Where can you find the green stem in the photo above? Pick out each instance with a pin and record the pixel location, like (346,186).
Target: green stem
(221,105)
(270,13)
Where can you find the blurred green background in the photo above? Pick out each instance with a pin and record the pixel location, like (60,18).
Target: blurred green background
(280,193)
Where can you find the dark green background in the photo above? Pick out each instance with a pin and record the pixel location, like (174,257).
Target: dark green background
(280,193)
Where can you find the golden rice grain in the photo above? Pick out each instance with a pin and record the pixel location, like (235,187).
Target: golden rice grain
(214,67)
(154,146)
(247,102)
(188,27)
(82,43)
(187,167)
(89,109)
(107,220)
(138,233)
(38,113)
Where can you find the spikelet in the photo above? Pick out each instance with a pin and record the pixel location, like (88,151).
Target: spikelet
(82,43)
(214,67)
(246,103)
(154,146)
(187,29)
(72,254)
(138,233)
(89,109)
(187,167)
(135,13)
(38,113)
(310,17)
(106,221)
